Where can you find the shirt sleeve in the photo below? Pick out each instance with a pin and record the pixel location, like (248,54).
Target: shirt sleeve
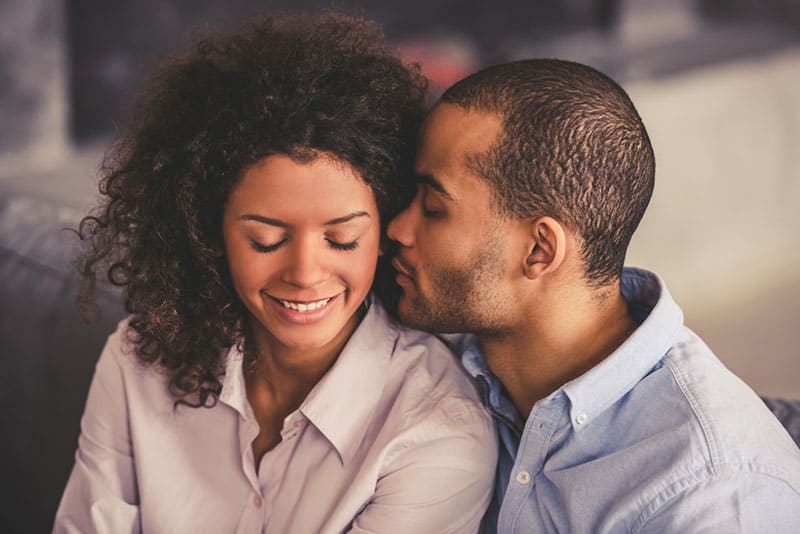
(101,493)
(440,485)
(740,501)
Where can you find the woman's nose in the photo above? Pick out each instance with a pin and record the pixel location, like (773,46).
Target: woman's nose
(306,266)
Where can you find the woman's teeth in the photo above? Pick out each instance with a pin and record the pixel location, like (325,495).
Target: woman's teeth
(305,306)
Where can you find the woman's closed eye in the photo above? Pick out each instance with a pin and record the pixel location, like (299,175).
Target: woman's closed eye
(261,247)
(336,245)
(350,245)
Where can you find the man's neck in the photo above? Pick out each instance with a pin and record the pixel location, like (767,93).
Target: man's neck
(558,343)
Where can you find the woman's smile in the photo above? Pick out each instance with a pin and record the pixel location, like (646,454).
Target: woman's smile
(302,240)
(305,312)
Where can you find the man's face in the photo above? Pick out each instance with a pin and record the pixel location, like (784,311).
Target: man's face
(453,263)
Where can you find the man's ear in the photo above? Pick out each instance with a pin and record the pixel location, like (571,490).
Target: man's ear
(547,246)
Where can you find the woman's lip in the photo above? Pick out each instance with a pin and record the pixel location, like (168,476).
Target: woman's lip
(302,317)
(295,301)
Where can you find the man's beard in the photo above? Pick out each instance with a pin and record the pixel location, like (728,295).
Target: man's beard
(464,298)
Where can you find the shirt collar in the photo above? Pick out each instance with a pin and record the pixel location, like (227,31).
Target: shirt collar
(660,319)
(492,391)
(342,403)
(234,393)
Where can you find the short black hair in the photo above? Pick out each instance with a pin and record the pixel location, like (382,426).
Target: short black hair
(572,147)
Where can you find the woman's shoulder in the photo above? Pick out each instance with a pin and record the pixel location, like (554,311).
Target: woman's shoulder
(120,346)
(427,378)
(436,405)
(433,373)
(119,364)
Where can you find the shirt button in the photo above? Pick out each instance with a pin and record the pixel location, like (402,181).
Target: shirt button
(581,418)
(523,477)
(257,501)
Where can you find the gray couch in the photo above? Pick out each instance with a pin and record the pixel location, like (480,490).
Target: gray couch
(48,356)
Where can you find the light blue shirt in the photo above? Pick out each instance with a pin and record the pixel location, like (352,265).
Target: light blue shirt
(659,437)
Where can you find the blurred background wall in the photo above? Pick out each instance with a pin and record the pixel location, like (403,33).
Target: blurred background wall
(716,81)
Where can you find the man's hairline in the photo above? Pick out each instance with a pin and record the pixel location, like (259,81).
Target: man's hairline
(500,212)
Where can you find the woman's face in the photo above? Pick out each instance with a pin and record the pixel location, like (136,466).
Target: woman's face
(302,242)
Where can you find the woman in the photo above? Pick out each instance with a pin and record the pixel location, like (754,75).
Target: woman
(258,385)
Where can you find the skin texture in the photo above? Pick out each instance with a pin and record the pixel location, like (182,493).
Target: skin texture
(454,260)
(280,250)
(325,247)
(518,283)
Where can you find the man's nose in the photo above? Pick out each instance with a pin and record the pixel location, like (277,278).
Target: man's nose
(400,228)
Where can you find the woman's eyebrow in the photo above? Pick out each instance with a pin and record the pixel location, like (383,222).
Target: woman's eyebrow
(346,218)
(266,220)
(277,222)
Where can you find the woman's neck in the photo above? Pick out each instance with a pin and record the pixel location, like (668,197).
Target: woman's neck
(281,377)
(287,373)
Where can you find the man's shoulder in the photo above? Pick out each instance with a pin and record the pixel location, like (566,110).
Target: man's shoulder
(734,422)
(723,444)
(705,423)
(687,424)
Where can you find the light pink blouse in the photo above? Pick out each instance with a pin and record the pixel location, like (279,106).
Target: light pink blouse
(392,439)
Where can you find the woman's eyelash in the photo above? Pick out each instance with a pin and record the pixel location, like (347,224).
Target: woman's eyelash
(352,245)
(258,247)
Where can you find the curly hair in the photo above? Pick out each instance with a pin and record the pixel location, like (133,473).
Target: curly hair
(573,147)
(301,85)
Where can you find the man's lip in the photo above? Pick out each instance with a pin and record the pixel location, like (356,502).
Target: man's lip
(401,267)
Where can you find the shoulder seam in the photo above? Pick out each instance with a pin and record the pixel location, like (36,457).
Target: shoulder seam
(671,492)
(680,379)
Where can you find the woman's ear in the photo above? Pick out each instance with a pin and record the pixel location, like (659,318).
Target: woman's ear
(547,246)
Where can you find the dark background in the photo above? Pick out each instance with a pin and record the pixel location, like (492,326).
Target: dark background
(110,44)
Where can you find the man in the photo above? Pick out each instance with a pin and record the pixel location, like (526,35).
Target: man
(612,415)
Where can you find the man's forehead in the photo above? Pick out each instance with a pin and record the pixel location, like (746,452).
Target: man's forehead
(468,130)
(451,138)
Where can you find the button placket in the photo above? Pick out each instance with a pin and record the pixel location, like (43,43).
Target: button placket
(530,458)
(523,477)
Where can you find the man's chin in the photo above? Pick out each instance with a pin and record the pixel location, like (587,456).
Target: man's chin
(422,318)
(410,315)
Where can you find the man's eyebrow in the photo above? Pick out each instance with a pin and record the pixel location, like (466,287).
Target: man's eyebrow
(277,222)
(434,184)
